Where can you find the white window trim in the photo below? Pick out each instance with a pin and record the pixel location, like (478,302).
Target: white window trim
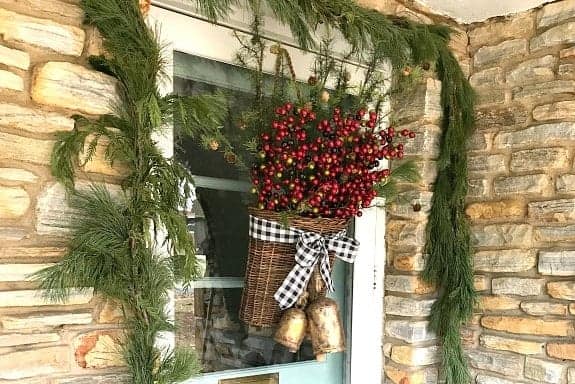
(185,32)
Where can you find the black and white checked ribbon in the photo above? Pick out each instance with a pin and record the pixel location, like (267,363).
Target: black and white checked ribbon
(311,248)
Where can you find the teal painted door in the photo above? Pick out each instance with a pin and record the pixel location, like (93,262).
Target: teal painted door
(207,312)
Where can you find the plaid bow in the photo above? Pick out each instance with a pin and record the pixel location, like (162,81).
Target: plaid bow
(311,248)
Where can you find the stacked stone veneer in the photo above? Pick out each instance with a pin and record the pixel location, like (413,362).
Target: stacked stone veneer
(44,79)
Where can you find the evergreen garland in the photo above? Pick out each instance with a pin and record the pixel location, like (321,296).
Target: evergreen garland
(112,248)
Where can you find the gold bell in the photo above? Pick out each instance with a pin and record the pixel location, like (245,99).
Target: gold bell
(325,327)
(292,329)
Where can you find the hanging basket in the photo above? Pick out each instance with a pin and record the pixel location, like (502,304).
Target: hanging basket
(269,263)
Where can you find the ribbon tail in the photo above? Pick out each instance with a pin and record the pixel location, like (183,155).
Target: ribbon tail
(325,272)
(293,286)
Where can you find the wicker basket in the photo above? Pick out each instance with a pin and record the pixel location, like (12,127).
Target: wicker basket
(268,265)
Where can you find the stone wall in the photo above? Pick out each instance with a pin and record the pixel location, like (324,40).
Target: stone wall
(44,80)
(521,198)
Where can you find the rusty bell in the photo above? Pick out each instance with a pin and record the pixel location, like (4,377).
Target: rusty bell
(325,327)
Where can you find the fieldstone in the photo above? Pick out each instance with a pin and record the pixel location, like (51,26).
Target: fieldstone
(561,34)
(560,110)
(561,351)
(33,120)
(14,202)
(567,52)
(515,260)
(565,183)
(488,77)
(489,96)
(405,306)
(553,210)
(484,379)
(557,263)
(498,117)
(409,263)
(421,376)
(572,308)
(407,284)
(106,379)
(545,134)
(98,163)
(540,159)
(59,10)
(529,326)
(505,50)
(480,141)
(527,185)
(18,148)
(499,235)
(14,58)
(64,39)
(14,339)
(544,308)
(425,143)
(32,253)
(402,233)
(409,331)
(543,371)
(403,207)
(543,89)
(53,214)
(109,312)
(422,103)
(503,363)
(492,164)
(415,356)
(72,86)
(480,283)
(517,286)
(34,362)
(45,320)
(486,33)
(512,345)
(99,349)
(11,81)
(566,71)
(551,234)
(34,298)
(571,376)
(12,234)
(427,169)
(477,188)
(564,290)
(533,71)
(496,210)
(17,175)
(498,303)
(19,272)
(556,13)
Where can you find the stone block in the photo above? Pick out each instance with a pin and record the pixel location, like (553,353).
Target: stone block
(497,30)
(564,290)
(504,363)
(499,117)
(19,272)
(544,308)
(543,371)
(34,362)
(526,185)
(422,103)
(491,96)
(540,159)
(12,234)
(405,306)
(43,33)
(557,263)
(515,260)
(409,262)
(491,164)
(403,207)
(498,303)
(552,234)
(517,286)
(72,86)
(34,298)
(529,326)
(425,143)
(550,88)
(555,13)
(493,210)
(503,51)
(559,110)
(116,378)
(14,58)
(407,284)
(561,351)
(480,283)
(487,77)
(16,339)
(44,320)
(512,345)
(566,71)
(565,183)
(11,81)
(480,141)
(502,235)
(402,233)
(17,175)
(53,214)
(553,210)
(58,10)
(99,349)
(567,52)
(31,253)
(33,120)
(533,71)
(544,135)
(477,188)
(415,356)
(400,376)
(18,148)
(485,379)
(14,202)
(559,35)
(409,331)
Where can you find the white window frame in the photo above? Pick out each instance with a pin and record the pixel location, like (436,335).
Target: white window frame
(183,30)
